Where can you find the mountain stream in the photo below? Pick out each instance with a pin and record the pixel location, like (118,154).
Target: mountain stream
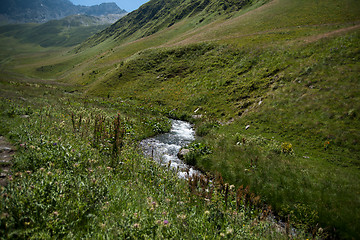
(165,147)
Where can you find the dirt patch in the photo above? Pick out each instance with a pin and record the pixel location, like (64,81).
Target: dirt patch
(6,154)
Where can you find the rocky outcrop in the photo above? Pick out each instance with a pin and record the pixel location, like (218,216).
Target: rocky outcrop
(182,153)
(102,9)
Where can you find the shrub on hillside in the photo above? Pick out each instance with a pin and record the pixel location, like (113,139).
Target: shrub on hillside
(287,148)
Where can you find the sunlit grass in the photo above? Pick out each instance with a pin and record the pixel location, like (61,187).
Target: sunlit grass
(281,70)
(68,182)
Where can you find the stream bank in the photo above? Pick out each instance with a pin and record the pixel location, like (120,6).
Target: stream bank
(6,153)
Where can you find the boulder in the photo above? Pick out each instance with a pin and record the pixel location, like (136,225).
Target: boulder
(182,153)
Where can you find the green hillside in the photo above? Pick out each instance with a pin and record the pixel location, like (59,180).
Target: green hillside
(66,32)
(271,86)
(158,15)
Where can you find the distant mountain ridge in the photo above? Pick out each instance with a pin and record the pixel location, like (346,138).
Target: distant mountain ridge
(40,11)
(156,15)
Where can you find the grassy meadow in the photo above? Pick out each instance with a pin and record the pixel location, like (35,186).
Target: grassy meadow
(272,90)
(296,94)
(78,173)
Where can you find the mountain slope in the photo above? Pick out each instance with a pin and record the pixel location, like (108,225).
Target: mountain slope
(273,91)
(66,32)
(160,14)
(277,69)
(44,10)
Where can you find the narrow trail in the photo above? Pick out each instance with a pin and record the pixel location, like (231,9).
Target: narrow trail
(6,153)
(331,33)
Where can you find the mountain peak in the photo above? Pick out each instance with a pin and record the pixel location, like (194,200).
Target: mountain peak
(44,10)
(104,9)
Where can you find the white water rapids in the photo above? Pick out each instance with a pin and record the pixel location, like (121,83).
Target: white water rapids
(165,147)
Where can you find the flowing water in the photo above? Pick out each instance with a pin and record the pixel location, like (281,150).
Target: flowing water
(165,147)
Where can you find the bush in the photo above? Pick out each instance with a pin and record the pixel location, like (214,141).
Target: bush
(287,148)
(196,150)
(300,215)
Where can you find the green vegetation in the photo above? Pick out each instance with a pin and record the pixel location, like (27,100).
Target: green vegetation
(292,94)
(157,15)
(66,32)
(78,173)
(273,91)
